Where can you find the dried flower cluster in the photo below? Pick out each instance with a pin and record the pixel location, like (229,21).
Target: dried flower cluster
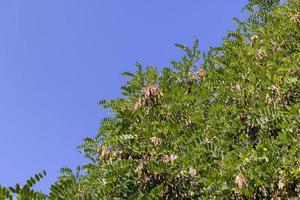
(168,158)
(137,104)
(201,74)
(156,141)
(275,47)
(260,54)
(150,94)
(104,152)
(240,181)
(268,99)
(237,87)
(296,18)
(152,91)
(191,77)
(254,38)
(275,88)
(142,162)
(281,184)
(192,171)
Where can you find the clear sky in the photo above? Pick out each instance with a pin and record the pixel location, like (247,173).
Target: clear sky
(58,58)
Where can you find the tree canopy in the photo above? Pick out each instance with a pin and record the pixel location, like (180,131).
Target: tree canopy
(218,125)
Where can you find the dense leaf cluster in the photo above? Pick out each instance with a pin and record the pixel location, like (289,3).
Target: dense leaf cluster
(218,125)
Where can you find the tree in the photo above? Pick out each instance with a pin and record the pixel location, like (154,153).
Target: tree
(217,125)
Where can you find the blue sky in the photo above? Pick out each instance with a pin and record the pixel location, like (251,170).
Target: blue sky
(58,58)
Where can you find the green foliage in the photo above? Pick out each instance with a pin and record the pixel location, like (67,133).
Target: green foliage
(25,192)
(218,125)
